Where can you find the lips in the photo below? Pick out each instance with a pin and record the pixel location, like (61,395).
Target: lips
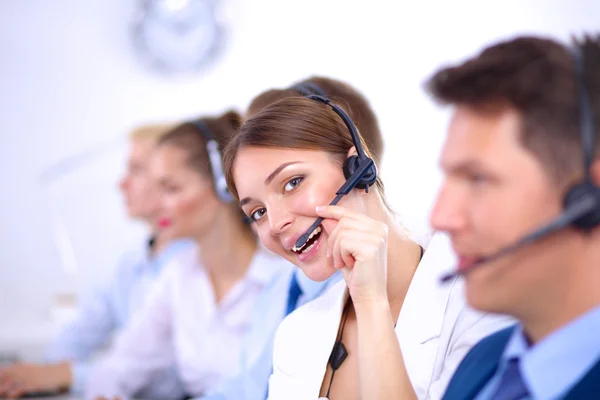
(465,262)
(289,243)
(309,249)
(164,222)
(312,239)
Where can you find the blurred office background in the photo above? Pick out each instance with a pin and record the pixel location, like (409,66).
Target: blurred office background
(76,76)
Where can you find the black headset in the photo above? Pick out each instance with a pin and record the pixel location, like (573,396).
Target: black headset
(581,204)
(586,192)
(359,170)
(214,157)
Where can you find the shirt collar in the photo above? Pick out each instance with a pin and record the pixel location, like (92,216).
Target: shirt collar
(517,345)
(561,359)
(311,289)
(157,261)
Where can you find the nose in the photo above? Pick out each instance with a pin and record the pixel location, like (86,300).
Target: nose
(123,183)
(164,205)
(448,213)
(279,220)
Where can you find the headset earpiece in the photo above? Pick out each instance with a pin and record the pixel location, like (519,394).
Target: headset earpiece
(575,196)
(214,158)
(352,164)
(586,189)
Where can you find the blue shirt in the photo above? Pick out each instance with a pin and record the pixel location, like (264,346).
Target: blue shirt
(257,358)
(555,364)
(108,309)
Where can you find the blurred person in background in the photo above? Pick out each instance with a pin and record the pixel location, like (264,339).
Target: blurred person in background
(201,307)
(293,288)
(108,309)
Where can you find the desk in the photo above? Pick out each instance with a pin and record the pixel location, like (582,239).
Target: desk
(63,397)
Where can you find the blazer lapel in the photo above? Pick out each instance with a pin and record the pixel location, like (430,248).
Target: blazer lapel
(478,367)
(322,339)
(588,387)
(422,315)
(472,379)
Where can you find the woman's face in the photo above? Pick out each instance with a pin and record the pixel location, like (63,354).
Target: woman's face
(279,190)
(138,188)
(188,202)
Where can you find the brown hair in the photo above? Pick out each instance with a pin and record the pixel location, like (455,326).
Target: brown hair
(294,123)
(188,137)
(340,93)
(536,77)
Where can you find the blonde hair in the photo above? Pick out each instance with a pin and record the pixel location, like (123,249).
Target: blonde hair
(152,131)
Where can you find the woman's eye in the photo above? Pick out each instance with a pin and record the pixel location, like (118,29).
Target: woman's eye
(170,189)
(477,179)
(292,183)
(258,214)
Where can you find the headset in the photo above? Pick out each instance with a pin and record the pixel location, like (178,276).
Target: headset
(581,204)
(359,170)
(214,157)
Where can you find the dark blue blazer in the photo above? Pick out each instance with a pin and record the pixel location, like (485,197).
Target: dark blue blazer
(480,364)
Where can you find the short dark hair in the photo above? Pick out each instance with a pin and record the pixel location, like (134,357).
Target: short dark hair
(536,77)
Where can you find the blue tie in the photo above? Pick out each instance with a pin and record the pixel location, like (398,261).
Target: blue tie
(294,293)
(511,385)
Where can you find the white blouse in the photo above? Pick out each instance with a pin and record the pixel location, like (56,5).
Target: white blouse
(435,330)
(182,326)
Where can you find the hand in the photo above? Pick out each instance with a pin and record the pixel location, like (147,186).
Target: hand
(20,379)
(358,245)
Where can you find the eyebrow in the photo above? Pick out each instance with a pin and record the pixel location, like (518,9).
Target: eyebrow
(278,170)
(270,179)
(463,167)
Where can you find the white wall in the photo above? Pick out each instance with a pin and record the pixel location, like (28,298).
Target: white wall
(69,80)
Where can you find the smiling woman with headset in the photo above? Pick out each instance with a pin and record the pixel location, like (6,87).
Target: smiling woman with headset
(200,309)
(388,330)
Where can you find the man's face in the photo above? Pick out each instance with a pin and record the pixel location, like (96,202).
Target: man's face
(494,192)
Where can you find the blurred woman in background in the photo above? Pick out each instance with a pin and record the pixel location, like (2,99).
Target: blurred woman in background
(108,309)
(200,309)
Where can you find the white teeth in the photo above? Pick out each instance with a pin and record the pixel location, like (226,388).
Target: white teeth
(315,232)
(308,248)
(296,249)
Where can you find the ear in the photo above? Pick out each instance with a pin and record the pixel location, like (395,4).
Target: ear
(352,151)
